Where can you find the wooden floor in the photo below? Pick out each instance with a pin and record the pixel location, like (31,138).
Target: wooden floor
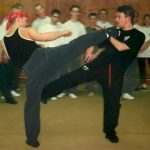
(69,124)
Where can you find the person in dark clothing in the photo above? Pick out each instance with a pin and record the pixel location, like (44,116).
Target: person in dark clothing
(4,85)
(4,79)
(107,69)
(42,64)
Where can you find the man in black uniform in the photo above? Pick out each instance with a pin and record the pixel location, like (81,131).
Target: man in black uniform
(108,69)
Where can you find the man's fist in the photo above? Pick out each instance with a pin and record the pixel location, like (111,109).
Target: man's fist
(112,32)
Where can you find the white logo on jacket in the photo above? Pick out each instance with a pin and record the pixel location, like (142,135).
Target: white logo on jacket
(126,38)
(85,68)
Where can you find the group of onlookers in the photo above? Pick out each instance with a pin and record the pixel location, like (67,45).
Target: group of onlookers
(50,23)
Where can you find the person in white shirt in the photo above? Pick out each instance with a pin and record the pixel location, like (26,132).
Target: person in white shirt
(41,17)
(136,24)
(103,16)
(144,54)
(77,29)
(52,26)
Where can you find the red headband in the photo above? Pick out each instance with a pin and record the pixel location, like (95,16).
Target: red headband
(13,15)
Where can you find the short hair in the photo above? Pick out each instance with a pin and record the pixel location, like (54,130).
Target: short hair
(55,11)
(74,6)
(17,6)
(103,10)
(38,8)
(92,14)
(146,15)
(127,10)
(38,4)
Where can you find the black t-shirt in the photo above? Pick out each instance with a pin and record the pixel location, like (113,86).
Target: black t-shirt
(120,60)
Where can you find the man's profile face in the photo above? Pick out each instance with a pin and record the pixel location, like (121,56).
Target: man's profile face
(121,19)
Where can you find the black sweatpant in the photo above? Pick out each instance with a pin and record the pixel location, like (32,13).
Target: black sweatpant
(142,69)
(42,67)
(4,81)
(105,74)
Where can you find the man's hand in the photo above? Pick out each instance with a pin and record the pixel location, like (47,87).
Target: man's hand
(94,56)
(89,53)
(88,57)
(112,32)
(67,33)
(145,46)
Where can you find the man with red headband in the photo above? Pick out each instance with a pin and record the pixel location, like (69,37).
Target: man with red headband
(41,64)
(9,74)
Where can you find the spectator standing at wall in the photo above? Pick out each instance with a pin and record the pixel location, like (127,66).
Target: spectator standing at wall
(41,17)
(103,19)
(52,26)
(144,54)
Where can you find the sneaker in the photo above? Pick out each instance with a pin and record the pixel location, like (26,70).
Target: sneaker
(11,101)
(2,97)
(127,96)
(72,95)
(91,94)
(144,86)
(61,95)
(54,98)
(112,138)
(14,93)
(141,87)
(138,88)
(44,101)
(18,89)
(33,143)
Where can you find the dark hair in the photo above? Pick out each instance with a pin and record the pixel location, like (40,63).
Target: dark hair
(92,14)
(55,11)
(146,15)
(17,6)
(74,6)
(127,10)
(103,10)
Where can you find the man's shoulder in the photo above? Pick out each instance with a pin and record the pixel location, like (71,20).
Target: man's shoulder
(67,22)
(38,19)
(35,22)
(82,26)
(134,38)
(145,29)
(138,33)
(60,25)
(133,32)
